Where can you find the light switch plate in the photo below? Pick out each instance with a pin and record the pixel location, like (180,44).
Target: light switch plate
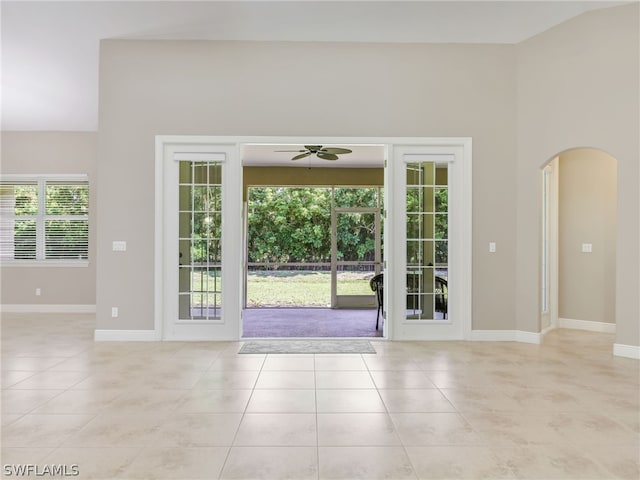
(587,248)
(119,246)
(492,247)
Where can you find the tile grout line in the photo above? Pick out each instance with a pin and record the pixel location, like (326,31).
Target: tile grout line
(315,394)
(244,412)
(395,427)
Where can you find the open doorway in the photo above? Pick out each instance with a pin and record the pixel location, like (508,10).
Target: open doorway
(313,238)
(187,214)
(578,269)
(288,247)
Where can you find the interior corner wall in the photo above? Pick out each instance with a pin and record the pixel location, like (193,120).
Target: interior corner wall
(578,87)
(150,88)
(587,214)
(52,153)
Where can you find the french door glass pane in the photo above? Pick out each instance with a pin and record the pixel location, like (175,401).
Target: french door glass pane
(427,248)
(200,231)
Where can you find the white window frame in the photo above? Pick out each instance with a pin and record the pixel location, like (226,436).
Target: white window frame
(41,217)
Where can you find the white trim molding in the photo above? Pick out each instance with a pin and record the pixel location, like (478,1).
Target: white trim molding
(628,351)
(44,263)
(43,308)
(546,330)
(588,325)
(506,336)
(126,336)
(528,337)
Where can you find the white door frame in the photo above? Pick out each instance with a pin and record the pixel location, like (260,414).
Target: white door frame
(353,301)
(395,324)
(549,319)
(168,151)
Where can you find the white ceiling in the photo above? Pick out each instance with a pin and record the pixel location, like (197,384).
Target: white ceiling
(50,49)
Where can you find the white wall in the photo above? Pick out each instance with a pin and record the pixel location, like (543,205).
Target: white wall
(587,214)
(246,88)
(49,153)
(578,87)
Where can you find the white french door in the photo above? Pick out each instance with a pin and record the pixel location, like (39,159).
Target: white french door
(201,201)
(430,266)
(198,240)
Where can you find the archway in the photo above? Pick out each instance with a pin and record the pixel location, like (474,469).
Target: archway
(578,241)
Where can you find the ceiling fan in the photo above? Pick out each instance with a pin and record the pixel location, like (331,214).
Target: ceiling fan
(325,153)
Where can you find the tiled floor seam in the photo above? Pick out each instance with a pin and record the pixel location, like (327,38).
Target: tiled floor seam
(315,391)
(244,413)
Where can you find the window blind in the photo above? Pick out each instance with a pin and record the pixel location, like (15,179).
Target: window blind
(44,219)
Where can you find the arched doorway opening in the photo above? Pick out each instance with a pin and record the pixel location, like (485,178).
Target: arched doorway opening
(578,241)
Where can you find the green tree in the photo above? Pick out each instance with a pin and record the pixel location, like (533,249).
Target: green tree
(289,224)
(294,224)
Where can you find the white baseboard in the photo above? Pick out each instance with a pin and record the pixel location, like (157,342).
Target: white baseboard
(528,337)
(546,330)
(601,327)
(629,351)
(39,308)
(505,336)
(126,336)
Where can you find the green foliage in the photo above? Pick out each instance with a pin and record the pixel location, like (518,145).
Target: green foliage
(289,224)
(67,199)
(355,197)
(206,222)
(26,199)
(428,219)
(64,238)
(294,224)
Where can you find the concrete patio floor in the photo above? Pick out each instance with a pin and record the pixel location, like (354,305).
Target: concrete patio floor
(309,322)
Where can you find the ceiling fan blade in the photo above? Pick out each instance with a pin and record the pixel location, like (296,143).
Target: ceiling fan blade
(289,150)
(336,151)
(327,156)
(302,155)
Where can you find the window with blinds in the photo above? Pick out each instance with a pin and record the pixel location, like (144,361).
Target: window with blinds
(44,219)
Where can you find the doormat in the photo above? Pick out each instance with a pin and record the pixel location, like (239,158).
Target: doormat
(308,346)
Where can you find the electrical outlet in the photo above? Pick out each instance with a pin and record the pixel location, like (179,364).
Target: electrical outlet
(38,292)
(114,312)
(492,247)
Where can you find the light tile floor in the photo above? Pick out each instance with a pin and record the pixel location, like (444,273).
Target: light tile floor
(566,409)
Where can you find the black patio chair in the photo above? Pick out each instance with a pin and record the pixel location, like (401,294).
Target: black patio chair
(376,284)
(442,290)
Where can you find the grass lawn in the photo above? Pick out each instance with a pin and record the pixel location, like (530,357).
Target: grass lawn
(287,288)
(301,288)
